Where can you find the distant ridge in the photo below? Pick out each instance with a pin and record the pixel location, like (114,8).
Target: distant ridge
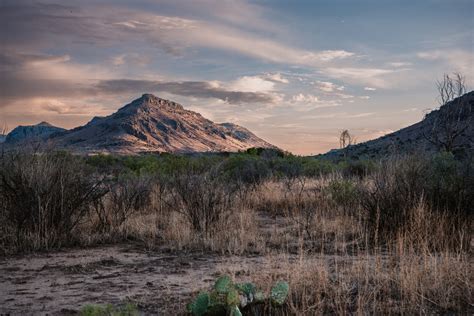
(38,132)
(415,138)
(147,124)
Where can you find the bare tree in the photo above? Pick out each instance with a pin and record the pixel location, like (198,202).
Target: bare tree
(450,122)
(345,140)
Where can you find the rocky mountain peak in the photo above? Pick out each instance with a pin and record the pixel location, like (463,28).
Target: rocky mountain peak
(44,124)
(153,124)
(148,100)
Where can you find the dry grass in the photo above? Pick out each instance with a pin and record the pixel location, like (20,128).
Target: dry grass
(319,234)
(335,270)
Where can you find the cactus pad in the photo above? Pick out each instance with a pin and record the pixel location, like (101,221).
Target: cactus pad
(200,304)
(279,292)
(223,284)
(235,311)
(233,298)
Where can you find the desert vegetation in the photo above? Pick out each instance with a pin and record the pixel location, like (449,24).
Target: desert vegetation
(386,236)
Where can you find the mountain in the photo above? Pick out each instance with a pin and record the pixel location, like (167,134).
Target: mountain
(152,124)
(38,132)
(451,126)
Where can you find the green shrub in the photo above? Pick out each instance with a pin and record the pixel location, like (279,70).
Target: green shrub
(109,310)
(342,192)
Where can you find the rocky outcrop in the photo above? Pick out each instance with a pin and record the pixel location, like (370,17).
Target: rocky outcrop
(152,124)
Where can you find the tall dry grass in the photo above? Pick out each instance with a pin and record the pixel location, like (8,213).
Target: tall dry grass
(396,241)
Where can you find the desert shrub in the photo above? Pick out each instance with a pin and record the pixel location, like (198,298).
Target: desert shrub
(342,192)
(393,189)
(103,163)
(44,196)
(290,167)
(317,167)
(393,193)
(450,184)
(126,196)
(356,168)
(245,170)
(203,198)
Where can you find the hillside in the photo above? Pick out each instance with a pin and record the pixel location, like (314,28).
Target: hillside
(38,132)
(152,124)
(434,132)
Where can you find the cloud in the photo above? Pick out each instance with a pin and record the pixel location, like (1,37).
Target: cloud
(360,115)
(53,106)
(158,22)
(252,84)
(340,115)
(329,55)
(305,98)
(372,76)
(103,25)
(457,60)
(400,64)
(328,86)
(131,59)
(198,89)
(303,102)
(26,75)
(251,45)
(369,89)
(276,77)
(364,97)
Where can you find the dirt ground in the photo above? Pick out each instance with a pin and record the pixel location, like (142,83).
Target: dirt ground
(59,283)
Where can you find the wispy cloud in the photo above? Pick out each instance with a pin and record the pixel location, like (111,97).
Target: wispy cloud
(328,86)
(457,60)
(372,76)
(198,89)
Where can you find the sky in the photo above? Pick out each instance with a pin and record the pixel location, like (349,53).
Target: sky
(296,73)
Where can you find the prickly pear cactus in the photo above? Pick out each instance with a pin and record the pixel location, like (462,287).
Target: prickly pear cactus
(223,284)
(235,311)
(246,288)
(279,292)
(200,305)
(227,297)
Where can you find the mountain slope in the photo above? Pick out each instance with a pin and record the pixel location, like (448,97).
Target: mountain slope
(29,133)
(426,136)
(152,124)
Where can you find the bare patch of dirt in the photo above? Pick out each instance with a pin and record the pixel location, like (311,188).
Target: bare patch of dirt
(60,283)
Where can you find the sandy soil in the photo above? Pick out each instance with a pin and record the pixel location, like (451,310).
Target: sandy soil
(59,283)
(160,282)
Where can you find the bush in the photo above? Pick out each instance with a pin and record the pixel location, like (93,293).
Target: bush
(44,196)
(394,188)
(394,192)
(245,170)
(126,196)
(343,192)
(202,197)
